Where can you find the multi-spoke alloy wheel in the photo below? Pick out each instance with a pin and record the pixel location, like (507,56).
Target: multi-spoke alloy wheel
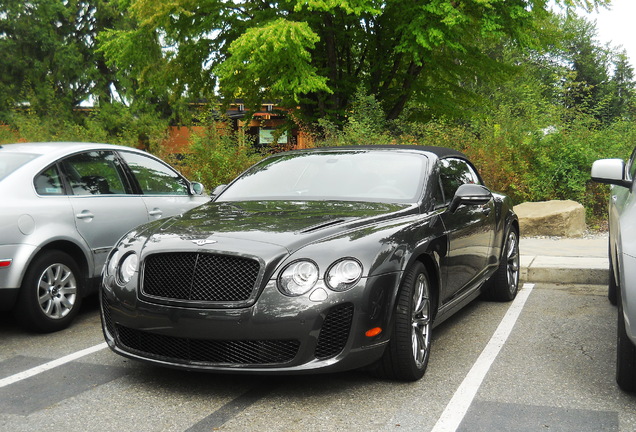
(406,356)
(504,283)
(420,321)
(50,295)
(512,262)
(57,291)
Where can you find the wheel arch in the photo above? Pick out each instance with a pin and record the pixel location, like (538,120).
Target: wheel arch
(434,278)
(71,249)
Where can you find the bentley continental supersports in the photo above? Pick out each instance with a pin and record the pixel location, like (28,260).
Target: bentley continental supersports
(317,260)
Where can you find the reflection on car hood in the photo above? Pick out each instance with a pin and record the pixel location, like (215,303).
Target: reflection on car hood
(279,222)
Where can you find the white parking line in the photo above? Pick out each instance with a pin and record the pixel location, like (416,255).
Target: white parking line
(456,409)
(50,365)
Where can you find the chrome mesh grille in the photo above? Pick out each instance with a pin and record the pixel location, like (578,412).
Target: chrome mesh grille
(194,276)
(185,350)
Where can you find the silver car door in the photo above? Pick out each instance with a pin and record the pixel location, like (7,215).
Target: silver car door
(165,191)
(103,206)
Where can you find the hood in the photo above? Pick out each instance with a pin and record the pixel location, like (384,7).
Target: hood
(283,223)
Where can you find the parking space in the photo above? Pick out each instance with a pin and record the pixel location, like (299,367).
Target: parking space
(554,371)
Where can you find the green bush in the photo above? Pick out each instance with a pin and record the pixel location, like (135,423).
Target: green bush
(218,155)
(536,156)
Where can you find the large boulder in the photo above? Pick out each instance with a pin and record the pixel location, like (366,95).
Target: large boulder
(551,218)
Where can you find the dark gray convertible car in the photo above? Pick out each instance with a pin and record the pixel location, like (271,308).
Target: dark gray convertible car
(316,260)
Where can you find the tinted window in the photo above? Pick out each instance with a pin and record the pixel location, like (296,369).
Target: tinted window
(631,167)
(347,176)
(154,177)
(454,173)
(49,182)
(94,173)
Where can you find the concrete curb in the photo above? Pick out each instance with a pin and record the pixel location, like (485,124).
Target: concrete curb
(566,270)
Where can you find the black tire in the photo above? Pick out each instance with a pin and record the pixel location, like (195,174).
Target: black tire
(613,286)
(50,295)
(625,356)
(503,285)
(406,356)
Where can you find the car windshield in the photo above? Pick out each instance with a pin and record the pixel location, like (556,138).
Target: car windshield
(10,162)
(365,175)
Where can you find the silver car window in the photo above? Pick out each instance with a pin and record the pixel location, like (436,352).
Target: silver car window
(10,162)
(631,166)
(48,182)
(153,177)
(94,173)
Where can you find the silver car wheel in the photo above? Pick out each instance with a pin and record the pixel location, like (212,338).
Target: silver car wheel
(57,291)
(421,321)
(512,261)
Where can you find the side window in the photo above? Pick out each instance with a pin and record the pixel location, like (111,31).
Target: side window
(454,173)
(153,177)
(94,173)
(631,167)
(438,194)
(48,182)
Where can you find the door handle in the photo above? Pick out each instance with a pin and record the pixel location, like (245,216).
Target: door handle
(155,213)
(85,215)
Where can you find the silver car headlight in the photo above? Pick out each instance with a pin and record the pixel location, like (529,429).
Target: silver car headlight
(343,274)
(298,278)
(127,268)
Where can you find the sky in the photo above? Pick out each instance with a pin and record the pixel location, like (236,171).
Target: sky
(616,26)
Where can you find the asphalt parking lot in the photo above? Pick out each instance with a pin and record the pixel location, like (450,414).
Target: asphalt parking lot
(543,365)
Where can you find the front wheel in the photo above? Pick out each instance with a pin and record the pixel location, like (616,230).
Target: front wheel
(504,283)
(50,295)
(406,356)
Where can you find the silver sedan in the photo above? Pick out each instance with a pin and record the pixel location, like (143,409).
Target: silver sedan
(64,205)
(622,254)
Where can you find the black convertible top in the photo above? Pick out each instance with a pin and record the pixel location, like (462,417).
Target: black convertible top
(440,152)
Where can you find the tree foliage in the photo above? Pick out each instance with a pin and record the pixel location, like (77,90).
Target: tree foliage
(317,53)
(48,54)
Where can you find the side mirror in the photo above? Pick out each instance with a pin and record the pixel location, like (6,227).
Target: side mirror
(197,188)
(610,171)
(470,194)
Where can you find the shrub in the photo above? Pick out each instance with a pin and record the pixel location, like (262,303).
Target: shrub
(217,155)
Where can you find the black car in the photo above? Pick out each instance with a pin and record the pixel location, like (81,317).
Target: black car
(315,260)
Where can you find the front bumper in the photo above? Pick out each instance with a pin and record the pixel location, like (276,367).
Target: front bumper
(277,334)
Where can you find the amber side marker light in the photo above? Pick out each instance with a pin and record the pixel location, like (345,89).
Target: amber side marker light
(373,332)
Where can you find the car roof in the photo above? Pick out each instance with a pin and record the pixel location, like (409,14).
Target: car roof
(50,148)
(440,152)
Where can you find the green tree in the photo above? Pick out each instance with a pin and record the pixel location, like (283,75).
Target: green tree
(48,54)
(316,53)
(623,89)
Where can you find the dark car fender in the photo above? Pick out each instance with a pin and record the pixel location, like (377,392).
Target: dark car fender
(385,251)
(506,220)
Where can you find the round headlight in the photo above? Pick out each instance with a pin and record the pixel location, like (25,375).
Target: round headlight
(128,267)
(113,260)
(298,278)
(344,274)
